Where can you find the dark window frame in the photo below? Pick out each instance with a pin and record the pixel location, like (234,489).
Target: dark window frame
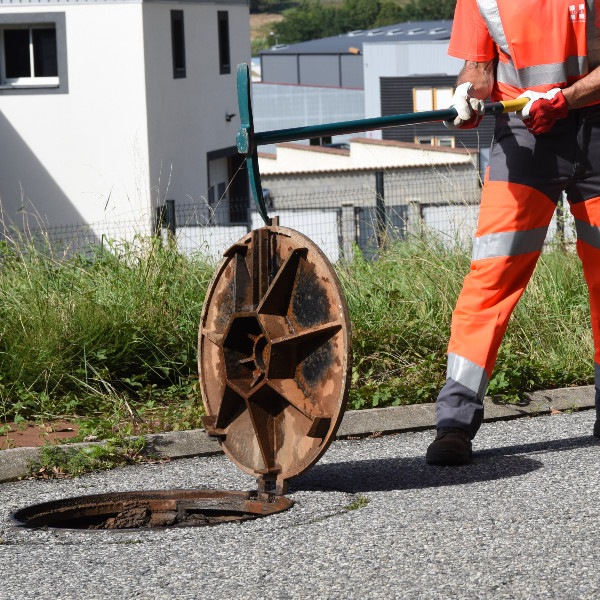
(178,44)
(57,20)
(224,46)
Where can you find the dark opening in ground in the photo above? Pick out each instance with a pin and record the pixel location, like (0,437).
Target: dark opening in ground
(150,510)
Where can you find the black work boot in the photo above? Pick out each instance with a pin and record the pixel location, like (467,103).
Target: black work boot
(451,447)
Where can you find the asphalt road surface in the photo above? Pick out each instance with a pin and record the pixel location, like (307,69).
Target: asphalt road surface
(521,522)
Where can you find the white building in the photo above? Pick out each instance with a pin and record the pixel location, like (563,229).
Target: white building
(403,59)
(109,108)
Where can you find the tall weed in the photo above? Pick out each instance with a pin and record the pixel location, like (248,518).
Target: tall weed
(84,334)
(401,307)
(120,319)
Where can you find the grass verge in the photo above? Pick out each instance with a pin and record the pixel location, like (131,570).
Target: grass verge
(401,307)
(57,462)
(110,337)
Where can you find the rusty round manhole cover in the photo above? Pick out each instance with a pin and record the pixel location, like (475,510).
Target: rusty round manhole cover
(149,510)
(274,354)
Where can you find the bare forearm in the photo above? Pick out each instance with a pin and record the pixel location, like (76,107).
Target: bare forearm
(584,91)
(481,75)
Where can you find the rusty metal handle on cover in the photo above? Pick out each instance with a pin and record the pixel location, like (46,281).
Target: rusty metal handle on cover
(248,140)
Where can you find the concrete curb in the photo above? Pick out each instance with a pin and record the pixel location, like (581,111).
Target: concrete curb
(356,423)
(395,419)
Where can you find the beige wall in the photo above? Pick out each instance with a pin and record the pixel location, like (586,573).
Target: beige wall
(363,154)
(440,184)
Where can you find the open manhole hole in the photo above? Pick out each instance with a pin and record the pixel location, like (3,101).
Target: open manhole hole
(274,363)
(149,510)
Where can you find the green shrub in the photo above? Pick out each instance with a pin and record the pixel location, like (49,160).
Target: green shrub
(122,320)
(401,307)
(112,336)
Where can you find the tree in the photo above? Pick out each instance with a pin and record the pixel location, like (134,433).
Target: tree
(361,14)
(310,20)
(428,10)
(389,14)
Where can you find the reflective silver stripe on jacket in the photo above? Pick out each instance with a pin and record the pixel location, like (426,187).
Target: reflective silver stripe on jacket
(467,373)
(527,77)
(508,243)
(590,234)
(491,15)
(541,74)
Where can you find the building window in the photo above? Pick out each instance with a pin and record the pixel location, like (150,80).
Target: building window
(33,53)
(224,59)
(320,141)
(422,99)
(29,56)
(178,43)
(431,98)
(444,142)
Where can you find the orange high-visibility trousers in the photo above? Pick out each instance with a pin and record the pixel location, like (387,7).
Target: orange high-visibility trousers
(525,179)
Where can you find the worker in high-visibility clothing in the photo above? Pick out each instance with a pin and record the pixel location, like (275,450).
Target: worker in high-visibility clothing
(549,52)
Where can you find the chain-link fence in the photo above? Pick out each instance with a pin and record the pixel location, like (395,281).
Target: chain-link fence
(382,208)
(363,213)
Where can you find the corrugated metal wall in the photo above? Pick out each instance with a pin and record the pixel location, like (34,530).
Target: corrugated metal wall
(340,70)
(277,106)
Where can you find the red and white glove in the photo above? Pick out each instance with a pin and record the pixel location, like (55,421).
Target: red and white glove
(543,110)
(470,110)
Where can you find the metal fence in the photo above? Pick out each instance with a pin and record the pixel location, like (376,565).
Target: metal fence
(340,218)
(365,217)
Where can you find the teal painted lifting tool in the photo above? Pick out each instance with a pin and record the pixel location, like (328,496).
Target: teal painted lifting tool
(248,140)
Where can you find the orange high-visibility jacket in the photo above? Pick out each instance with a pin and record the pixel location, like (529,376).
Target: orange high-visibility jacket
(540,44)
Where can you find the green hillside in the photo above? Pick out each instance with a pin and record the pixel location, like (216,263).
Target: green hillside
(314,19)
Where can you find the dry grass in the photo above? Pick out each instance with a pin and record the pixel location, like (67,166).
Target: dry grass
(261,23)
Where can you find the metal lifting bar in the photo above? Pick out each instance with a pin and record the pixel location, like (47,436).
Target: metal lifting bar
(248,140)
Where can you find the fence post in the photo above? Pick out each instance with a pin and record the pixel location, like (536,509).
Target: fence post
(170,224)
(560,222)
(414,218)
(165,219)
(348,230)
(380,208)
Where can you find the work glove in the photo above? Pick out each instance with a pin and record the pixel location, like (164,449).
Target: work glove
(470,110)
(543,110)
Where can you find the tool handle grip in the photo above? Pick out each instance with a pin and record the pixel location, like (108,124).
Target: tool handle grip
(505,106)
(514,105)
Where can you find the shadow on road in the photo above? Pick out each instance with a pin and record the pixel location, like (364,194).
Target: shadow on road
(412,472)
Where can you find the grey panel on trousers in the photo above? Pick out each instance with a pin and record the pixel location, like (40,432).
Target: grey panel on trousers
(280,69)
(458,406)
(320,69)
(352,71)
